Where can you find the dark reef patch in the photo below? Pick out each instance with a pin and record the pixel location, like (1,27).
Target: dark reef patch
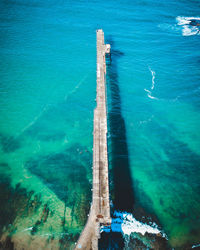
(9,144)
(41,132)
(54,137)
(66,174)
(178,173)
(43,218)
(182,161)
(111,240)
(4,167)
(139,212)
(15,202)
(66,240)
(148,241)
(7,244)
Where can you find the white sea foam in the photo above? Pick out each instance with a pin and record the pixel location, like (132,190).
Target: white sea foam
(190,31)
(153,73)
(187,29)
(150,95)
(76,87)
(149,92)
(194,246)
(148,120)
(125,223)
(27,229)
(168,27)
(35,119)
(185,20)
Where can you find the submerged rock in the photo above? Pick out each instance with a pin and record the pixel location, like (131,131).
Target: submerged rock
(9,144)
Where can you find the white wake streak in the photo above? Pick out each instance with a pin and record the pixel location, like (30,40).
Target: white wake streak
(33,121)
(76,87)
(149,93)
(153,73)
(36,118)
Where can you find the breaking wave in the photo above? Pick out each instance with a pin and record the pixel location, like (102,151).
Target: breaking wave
(194,246)
(190,25)
(125,223)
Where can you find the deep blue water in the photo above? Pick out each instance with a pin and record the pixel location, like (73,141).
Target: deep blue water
(47,97)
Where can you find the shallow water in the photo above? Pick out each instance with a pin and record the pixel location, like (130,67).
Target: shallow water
(47,97)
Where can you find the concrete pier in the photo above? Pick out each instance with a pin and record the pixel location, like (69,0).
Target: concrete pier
(100,208)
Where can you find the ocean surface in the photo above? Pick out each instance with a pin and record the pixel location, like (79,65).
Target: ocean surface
(47,98)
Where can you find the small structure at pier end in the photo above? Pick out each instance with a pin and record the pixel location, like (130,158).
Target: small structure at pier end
(100,207)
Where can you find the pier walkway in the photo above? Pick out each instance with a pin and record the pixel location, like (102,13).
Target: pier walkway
(100,207)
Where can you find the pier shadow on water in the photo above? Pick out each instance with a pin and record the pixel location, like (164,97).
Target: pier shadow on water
(122,182)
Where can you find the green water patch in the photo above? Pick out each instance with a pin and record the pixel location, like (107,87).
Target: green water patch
(60,181)
(62,122)
(186,121)
(47,200)
(165,174)
(50,159)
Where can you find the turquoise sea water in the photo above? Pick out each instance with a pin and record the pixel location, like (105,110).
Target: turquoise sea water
(47,97)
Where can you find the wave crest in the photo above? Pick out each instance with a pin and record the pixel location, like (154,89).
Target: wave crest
(190,25)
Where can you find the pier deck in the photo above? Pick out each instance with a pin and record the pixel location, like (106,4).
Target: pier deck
(100,207)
